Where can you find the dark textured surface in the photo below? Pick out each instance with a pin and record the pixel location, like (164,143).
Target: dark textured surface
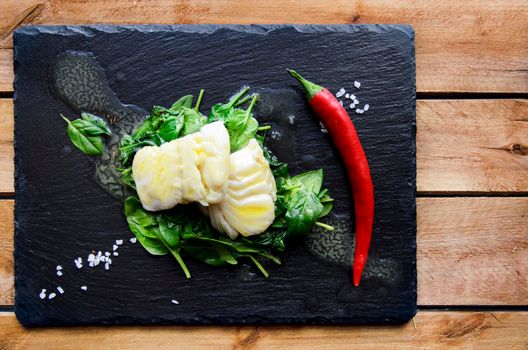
(62,213)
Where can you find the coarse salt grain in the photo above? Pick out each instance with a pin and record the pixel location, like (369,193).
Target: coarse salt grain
(59,273)
(60,290)
(356,101)
(347,95)
(119,241)
(52,295)
(357,110)
(341,103)
(107,266)
(291,119)
(84,288)
(107,253)
(352,105)
(366,108)
(59,267)
(357,84)
(133,240)
(114,247)
(174,301)
(324,131)
(42,294)
(340,93)
(352,96)
(116,253)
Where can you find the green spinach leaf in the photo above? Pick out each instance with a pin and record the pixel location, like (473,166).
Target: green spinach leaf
(86,136)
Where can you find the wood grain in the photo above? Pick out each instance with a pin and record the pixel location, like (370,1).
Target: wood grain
(463,146)
(472,146)
(472,251)
(430,330)
(483,241)
(461,46)
(6,146)
(6,252)
(6,69)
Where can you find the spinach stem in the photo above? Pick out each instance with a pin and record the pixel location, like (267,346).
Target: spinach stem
(252,104)
(199,100)
(265,127)
(242,101)
(260,267)
(177,255)
(66,119)
(237,97)
(182,264)
(325,226)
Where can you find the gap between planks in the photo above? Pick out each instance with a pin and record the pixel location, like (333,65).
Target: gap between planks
(483,50)
(428,329)
(463,147)
(466,247)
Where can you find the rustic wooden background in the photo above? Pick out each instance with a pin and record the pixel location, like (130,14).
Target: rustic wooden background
(472,141)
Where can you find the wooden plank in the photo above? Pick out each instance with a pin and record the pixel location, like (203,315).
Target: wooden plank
(483,241)
(468,146)
(431,330)
(6,146)
(472,251)
(472,146)
(6,252)
(462,46)
(6,69)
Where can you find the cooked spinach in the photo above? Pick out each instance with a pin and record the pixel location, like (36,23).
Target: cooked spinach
(184,231)
(85,133)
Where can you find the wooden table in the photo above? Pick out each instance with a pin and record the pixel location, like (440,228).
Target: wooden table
(472,142)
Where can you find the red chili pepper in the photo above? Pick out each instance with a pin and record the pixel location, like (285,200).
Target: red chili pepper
(343,133)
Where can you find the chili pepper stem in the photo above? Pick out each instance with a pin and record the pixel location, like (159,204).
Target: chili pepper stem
(265,127)
(310,88)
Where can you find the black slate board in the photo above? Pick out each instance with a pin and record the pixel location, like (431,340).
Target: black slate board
(61,213)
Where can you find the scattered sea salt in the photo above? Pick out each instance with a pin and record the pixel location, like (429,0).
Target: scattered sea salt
(340,93)
(352,105)
(341,103)
(52,295)
(84,288)
(59,267)
(114,247)
(357,84)
(133,240)
(107,253)
(356,101)
(347,96)
(324,131)
(366,108)
(107,266)
(352,96)
(59,273)
(357,110)
(116,253)
(42,294)
(291,119)
(174,301)
(60,290)
(119,241)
